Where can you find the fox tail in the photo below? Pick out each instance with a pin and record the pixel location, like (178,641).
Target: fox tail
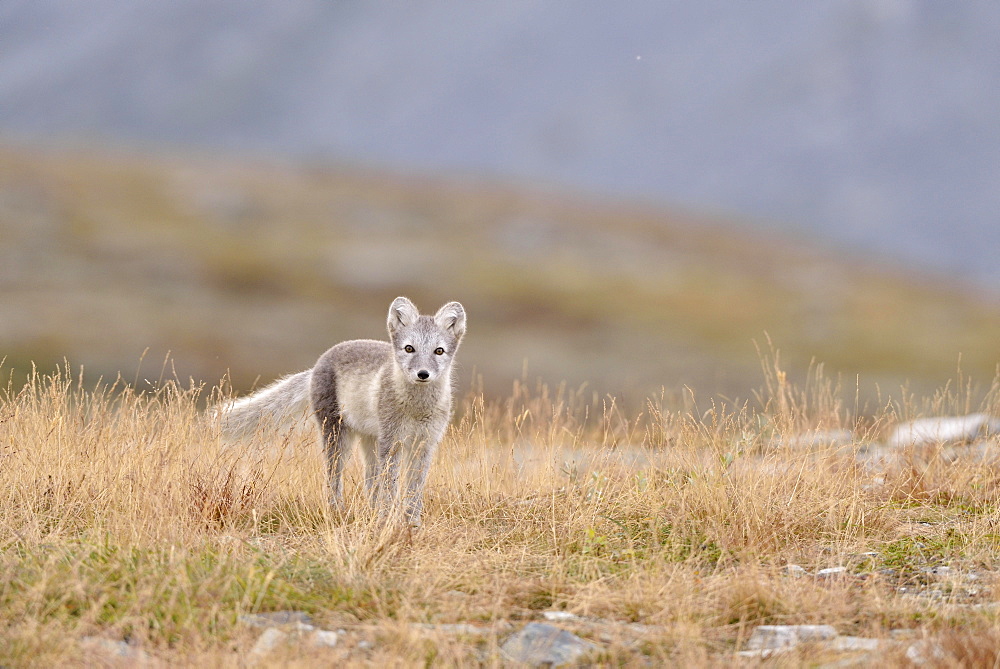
(282,405)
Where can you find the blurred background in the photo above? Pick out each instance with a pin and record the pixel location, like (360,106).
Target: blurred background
(632,196)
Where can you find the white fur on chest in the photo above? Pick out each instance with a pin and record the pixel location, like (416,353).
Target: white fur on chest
(357,395)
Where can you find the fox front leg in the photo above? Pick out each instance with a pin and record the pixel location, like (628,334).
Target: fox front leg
(369,452)
(418,467)
(389,458)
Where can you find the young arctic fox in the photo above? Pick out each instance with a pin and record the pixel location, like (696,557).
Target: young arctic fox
(394,397)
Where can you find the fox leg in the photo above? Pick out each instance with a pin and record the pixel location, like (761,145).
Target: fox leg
(389,461)
(333,452)
(415,481)
(327,414)
(418,465)
(369,451)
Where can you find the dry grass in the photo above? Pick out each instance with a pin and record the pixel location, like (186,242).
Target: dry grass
(122,516)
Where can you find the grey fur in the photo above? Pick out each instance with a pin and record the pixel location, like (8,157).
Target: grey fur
(394,397)
(278,406)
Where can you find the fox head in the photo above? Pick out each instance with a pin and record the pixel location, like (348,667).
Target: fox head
(425,346)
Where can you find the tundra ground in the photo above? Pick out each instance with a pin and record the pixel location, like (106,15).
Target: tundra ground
(668,533)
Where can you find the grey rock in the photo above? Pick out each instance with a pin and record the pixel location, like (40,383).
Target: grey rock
(861,649)
(793,570)
(277,619)
(851,644)
(539,644)
(324,638)
(284,626)
(944,430)
(831,573)
(771,637)
(926,652)
(268,641)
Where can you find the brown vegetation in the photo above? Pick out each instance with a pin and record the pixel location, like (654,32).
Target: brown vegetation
(669,531)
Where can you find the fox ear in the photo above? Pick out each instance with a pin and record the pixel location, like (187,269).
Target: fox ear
(402,313)
(451,318)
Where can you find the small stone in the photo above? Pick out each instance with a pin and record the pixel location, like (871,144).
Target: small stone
(851,644)
(539,644)
(277,619)
(794,570)
(831,573)
(268,641)
(942,430)
(324,638)
(559,616)
(926,652)
(365,645)
(770,637)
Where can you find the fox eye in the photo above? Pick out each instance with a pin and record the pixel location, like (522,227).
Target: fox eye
(409,349)
(439,351)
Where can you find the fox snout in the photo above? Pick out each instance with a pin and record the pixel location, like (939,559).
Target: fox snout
(423,375)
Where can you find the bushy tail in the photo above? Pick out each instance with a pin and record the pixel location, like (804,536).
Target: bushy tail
(282,405)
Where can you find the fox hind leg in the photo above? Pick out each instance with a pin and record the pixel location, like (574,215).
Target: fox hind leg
(327,414)
(334,441)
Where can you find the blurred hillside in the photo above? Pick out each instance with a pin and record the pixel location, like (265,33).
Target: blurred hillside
(867,122)
(257,268)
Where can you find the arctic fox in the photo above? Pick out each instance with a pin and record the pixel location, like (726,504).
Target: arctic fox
(394,397)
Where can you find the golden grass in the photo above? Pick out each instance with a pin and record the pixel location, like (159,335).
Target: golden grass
(123,516)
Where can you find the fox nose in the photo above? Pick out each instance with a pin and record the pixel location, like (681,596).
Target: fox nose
(423,375)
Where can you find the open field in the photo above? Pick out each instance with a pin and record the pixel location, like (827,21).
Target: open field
(131,537)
